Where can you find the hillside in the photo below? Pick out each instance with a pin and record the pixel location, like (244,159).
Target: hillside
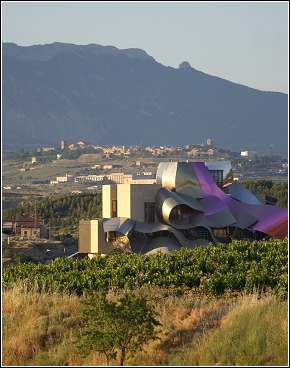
(106,96)
(224,304)
(40,329)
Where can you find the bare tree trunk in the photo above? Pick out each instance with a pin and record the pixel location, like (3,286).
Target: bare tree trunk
(122,357)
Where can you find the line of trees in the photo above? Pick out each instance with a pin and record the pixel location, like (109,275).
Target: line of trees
(62,213)
(279,191)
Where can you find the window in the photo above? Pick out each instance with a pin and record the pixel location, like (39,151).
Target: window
(114,208)
(176,212)
(217,177)
(149,212)
(111,236)
(192,234)
(204,233)
(220,233)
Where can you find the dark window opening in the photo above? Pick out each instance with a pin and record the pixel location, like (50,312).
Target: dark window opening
(111,236)
(217,177)
(204,233)
(114,208)
(222,235)
(240,234)
(149,212)
(191,234)
(181,211)
(175,213)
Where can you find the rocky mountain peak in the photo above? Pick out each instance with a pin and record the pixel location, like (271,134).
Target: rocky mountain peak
(184,64)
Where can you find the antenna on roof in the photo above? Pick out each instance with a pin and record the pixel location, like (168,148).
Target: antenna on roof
(271,149)
(35,224)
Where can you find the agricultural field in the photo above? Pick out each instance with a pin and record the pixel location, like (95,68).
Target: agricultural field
(240,265)
(221,305)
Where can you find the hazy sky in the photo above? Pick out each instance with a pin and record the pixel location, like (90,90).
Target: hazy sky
(243,42)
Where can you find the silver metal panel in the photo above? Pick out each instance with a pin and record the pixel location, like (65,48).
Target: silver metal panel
(153,227)
(157,226)
(237,191)
(190,201)
(121,224)
(244,220)
(187,181)
(221,219)
(166,174)
(180,177)
(167,200)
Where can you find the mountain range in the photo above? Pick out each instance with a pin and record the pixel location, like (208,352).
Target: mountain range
(107,96)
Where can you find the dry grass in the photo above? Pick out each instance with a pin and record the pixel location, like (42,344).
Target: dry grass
(254,332)
(21,313)
(197,329)
(88,158)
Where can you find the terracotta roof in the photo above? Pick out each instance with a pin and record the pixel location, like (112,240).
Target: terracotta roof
(29,225)
(14,250)
(55,253)
(29,219)
(7,262)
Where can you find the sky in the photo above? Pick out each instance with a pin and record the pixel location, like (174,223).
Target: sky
(242,42)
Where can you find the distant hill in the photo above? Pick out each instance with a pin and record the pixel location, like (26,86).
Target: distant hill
(104,95)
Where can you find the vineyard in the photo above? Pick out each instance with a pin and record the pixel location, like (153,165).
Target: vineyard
(240,265)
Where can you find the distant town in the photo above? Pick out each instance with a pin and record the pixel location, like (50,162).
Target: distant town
(110,163)
(190,150)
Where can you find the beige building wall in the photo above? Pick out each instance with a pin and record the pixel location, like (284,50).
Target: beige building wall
(117,177)
(84,236)
(29,232)
(131,199)
(63,144)
(127,178)
(92,239)
(35,159)
(209,142)
(45,149)
(192,152)
(64,179)
(123,200)
(109,193)
(144,181)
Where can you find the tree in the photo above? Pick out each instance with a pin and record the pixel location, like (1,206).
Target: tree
(111,327)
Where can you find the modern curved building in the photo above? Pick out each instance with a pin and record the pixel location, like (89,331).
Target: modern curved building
(190,205)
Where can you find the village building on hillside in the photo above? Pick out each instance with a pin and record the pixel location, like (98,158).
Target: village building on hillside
(28,227)
(63,179)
